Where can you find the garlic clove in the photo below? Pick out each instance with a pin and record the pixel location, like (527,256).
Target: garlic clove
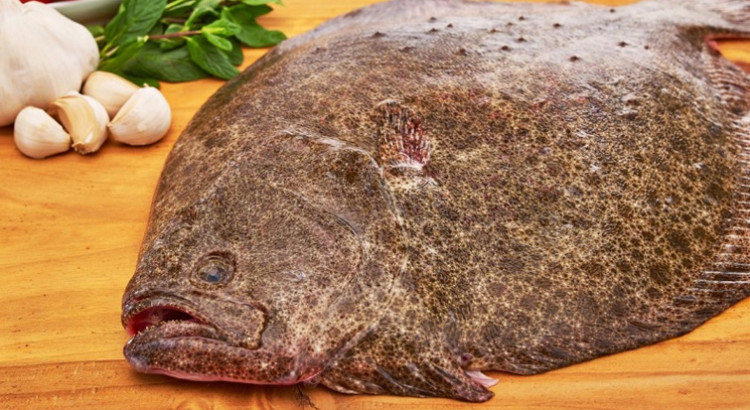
(144,119)
(37,135)
(85,119)
(109,89)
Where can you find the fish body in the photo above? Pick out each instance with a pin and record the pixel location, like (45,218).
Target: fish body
(419,191)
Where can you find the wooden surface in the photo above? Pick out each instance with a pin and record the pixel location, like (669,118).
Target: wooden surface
(70,228)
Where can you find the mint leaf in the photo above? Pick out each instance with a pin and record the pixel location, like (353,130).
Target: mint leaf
(96,31)
(170,43)
(179,8)
(135,18)
(123,54)
(252,33)
(202,8)
(173,65)
(182,40)
(174,28)
(210,58)
(257,11)
(222,27)
(220,42)
(140,81)
(259,2)
(235,55)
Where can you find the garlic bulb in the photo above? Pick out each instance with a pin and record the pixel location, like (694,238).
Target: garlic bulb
(85,119)
(38,135)
(44,55)
(144,119)
(109,89)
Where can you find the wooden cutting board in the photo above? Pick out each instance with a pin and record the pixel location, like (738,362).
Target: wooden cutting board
(70,228)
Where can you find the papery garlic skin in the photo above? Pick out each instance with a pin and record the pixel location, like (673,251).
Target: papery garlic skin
(109,89)
(85,119)
(94,141)
(144,119)
(44,56)
(37,135)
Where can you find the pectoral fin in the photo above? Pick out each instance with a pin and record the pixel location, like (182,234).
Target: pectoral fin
(421,379)
(404,367)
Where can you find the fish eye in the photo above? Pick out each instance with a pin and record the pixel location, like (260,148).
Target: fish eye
(215,269)
(213,273)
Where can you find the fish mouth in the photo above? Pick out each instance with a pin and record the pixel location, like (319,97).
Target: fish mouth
(153,312)
(156,315)
(171,336)
(158,322)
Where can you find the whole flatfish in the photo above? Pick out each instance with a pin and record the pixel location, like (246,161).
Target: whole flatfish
(419,191)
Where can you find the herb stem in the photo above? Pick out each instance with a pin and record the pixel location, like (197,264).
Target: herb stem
(173,20)
(109,52)
(175,35)
(105,51)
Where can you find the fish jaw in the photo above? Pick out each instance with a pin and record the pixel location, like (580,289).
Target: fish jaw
(171,337)
(184,351)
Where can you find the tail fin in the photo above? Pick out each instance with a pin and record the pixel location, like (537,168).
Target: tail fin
(727,279)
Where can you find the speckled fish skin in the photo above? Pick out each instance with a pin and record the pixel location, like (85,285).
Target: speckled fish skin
(419,191)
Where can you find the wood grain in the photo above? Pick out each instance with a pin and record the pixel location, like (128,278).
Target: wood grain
(70,228)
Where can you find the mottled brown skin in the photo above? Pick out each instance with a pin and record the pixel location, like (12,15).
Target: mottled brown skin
(420,189)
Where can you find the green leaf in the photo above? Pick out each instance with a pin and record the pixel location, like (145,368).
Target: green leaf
(202,8)
(259,2)
(235,56)
(252,34)
(135,18)
(157,30)
(140,81)
(123,55)
(174,28)
(170,43)
(220,42)
(179,8)
(203,37)
(96,31)
(212,4)
(218,28)
(257,11)
(173,65)
(222,27)
(210,58)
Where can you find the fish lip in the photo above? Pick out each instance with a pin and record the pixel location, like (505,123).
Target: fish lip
(179,336)
(202,378)
(145,365)
(196,334)
(133,352)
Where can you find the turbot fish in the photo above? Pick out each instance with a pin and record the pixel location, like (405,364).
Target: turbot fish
(418,192)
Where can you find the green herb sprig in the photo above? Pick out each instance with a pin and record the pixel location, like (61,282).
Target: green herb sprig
(181,40)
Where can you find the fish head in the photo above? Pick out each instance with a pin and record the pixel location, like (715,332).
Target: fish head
(268,274)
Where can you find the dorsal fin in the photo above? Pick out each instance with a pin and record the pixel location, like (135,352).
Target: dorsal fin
(727,278)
